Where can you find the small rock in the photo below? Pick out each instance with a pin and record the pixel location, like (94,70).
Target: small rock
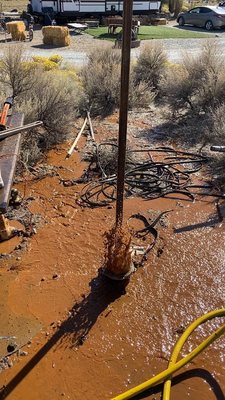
(159,252)
(46,333)
(55,276)
(180,329)
(23,353)
(10,363)
(43,279)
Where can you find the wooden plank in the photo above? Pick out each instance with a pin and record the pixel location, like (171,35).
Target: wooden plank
(9,150)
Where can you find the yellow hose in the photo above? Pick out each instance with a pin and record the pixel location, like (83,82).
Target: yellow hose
(182,340)
(173,365)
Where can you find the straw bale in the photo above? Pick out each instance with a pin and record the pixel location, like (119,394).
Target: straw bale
(19,36)
(55,31)
(62,42)
(47,40)
(15,26)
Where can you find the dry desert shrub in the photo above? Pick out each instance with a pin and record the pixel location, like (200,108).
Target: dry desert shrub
(14,77)
(51,96)
(218,126)
(101,81)
(199,83)
(150,66)
(140,95)
(54,100)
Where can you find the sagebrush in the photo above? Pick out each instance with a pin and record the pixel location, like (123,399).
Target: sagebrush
(198,84)
(151,66)
(43,92)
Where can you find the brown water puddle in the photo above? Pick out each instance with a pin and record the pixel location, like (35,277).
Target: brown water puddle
(22,326)
(95,341)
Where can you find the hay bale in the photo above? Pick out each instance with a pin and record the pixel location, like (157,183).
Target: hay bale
(56,35)
(55,31)
(15,27)
(48,40)
(61,42)
(21,36)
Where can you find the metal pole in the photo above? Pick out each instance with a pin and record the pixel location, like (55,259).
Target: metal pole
(124,93)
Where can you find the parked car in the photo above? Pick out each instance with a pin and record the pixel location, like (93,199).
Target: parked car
(210,17)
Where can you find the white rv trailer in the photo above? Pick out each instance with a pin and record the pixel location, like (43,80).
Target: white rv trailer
(86,8)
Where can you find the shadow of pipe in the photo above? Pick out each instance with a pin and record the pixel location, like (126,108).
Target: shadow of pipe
(205,224)
(194,373)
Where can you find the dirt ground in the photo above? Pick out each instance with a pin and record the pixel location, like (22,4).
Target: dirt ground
(80,337)
(81,42)
(9,5)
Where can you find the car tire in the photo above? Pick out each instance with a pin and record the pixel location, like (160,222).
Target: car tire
(181,21)
(209,25)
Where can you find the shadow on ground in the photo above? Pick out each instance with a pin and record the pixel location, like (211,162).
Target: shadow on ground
(194,373)
(46,46)
(192,28)
(75,329)
(185,131)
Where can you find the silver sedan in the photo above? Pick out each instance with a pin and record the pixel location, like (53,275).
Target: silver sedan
(209,17)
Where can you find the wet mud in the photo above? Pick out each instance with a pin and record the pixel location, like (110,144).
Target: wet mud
(88,339)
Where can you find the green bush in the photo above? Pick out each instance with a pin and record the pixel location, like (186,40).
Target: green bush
(165,8)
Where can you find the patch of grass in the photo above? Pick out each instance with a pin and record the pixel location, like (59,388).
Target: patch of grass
(150,32)
(101,33)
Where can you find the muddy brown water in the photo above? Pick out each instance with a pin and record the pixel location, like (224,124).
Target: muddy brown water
(90,340)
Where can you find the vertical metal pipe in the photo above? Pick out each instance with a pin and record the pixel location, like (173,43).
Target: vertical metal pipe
(124,93)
